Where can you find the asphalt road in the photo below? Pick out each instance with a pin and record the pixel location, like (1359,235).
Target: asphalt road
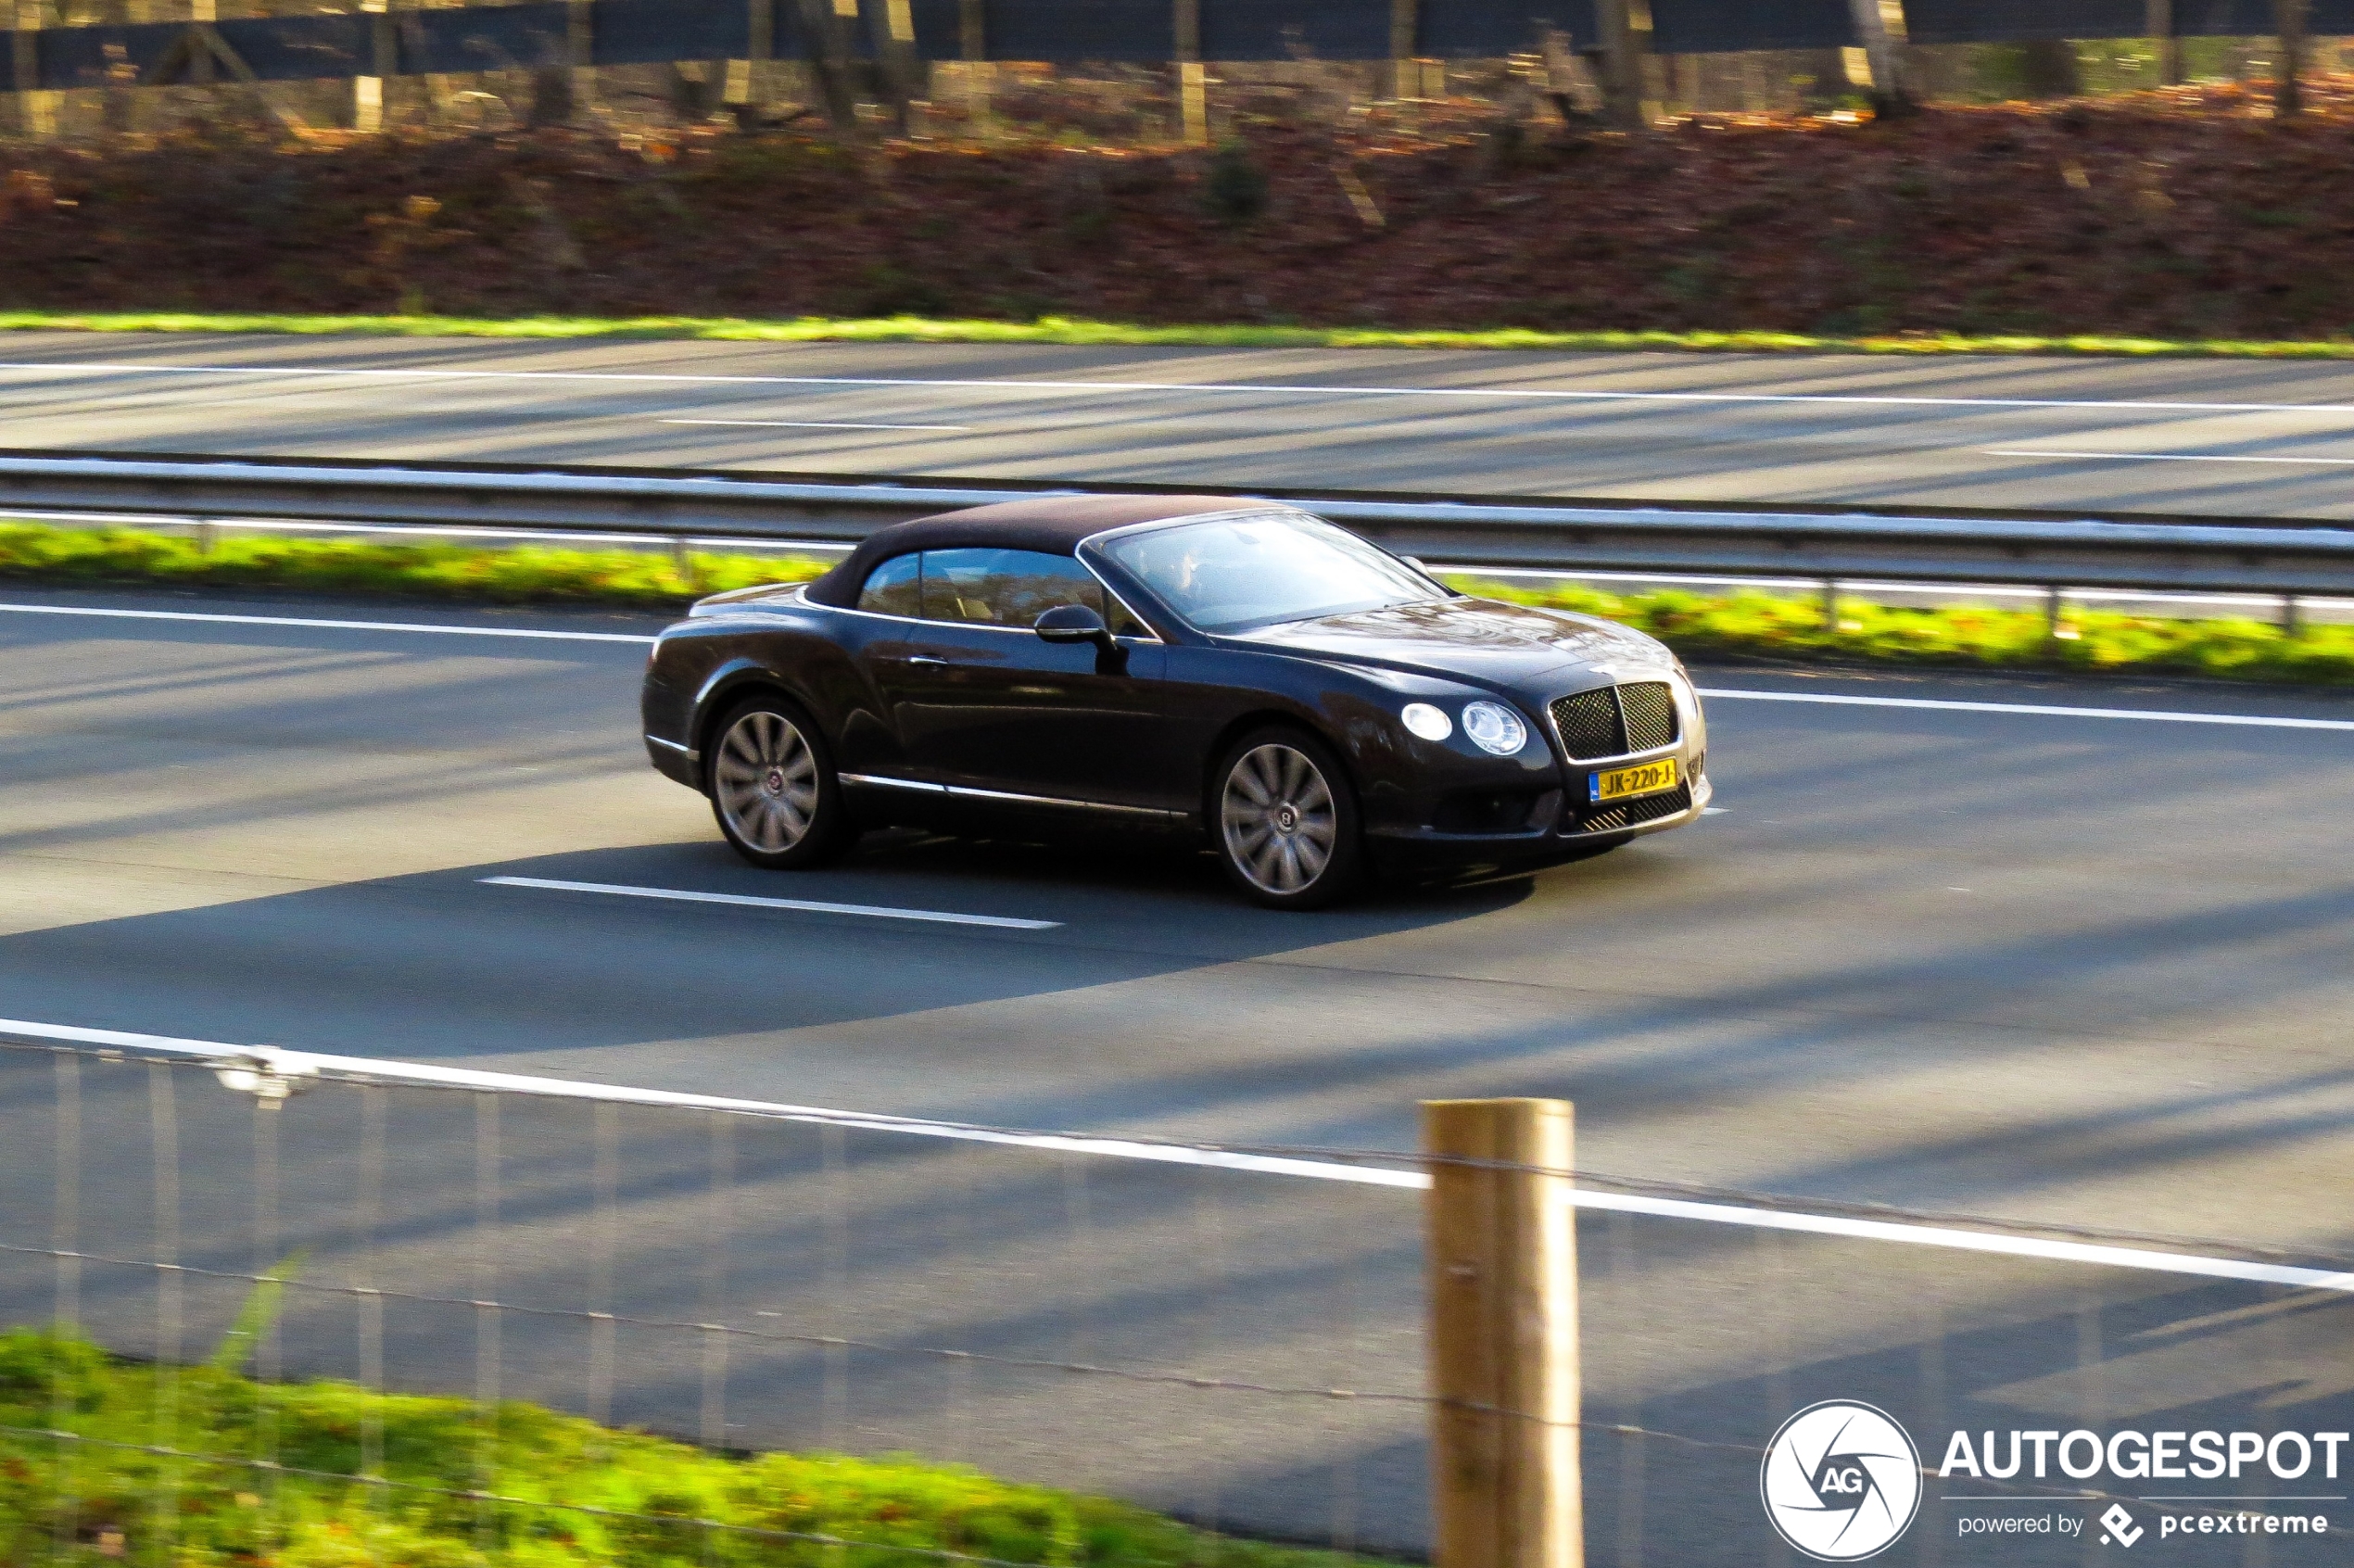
(2187,437)
(2076,969)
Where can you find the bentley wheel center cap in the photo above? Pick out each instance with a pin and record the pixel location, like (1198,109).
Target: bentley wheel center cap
(1286,818)
(776,781)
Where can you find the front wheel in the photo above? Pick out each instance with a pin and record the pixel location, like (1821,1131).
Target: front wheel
(773,787)
(1286,821)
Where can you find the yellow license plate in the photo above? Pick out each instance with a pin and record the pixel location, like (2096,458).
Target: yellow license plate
(1625,783)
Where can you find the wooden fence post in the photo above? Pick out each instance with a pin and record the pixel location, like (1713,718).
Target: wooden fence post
(1505,1464)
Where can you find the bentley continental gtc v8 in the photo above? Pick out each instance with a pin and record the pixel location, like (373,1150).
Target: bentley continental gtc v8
(1312,707)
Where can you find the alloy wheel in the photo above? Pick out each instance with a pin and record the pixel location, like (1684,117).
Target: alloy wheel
(1279,819)
(765,780)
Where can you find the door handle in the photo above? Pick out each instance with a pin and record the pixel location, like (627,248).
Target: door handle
(925,659)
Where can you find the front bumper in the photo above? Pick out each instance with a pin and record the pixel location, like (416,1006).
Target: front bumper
(1573,825)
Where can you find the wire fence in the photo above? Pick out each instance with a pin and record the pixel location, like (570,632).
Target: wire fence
(1234,1335)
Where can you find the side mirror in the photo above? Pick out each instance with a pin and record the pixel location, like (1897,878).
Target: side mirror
(1073,623)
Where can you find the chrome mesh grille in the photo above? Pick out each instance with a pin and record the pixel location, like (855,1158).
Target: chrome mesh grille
(1650,708)
(1589,724)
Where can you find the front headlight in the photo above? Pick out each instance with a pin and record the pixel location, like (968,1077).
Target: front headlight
(1494,728)
(1431,724)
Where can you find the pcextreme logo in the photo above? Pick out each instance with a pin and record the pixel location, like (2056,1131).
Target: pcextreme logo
(1841,1481)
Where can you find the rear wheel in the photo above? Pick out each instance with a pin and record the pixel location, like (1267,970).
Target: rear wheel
(773,787)
(1286,821)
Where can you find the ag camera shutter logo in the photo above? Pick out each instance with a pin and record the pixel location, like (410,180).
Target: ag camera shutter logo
(1841,1481)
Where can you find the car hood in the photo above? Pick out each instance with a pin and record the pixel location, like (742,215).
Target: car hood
(1482,638)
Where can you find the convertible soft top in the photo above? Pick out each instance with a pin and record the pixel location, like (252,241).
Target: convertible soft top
(1052,523)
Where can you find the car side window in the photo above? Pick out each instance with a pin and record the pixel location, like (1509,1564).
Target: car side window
(1013,588)
(895,588)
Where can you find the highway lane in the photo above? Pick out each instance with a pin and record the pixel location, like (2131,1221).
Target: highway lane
(2176,436)
(2085,970)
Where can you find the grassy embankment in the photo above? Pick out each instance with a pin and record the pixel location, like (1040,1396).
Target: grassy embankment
(1743,624)
(1073,331)
(569,1494)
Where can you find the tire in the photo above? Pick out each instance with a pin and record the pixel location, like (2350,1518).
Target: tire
(1284,820)
(771,780)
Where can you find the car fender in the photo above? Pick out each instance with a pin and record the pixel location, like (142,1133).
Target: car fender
(720,688)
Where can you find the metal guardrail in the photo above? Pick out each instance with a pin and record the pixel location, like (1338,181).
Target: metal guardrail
(2258,557)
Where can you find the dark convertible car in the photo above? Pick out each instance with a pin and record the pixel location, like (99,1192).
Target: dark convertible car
(1312,706)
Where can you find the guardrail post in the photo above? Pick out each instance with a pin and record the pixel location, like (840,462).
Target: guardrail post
(1505,1462)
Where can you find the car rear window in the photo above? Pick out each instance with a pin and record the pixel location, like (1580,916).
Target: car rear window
(895,588)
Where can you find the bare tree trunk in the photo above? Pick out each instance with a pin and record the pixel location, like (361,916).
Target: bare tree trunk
(1621,70)
(2160,22)
(828,62)
(2288,94)
(1890,96)
(2047,69)
(1824,77)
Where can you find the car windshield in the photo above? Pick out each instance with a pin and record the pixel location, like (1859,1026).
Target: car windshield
(1230,573)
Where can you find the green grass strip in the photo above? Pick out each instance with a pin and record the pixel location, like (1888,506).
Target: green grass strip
(1746,625)
(527,575)
(1756,625)
(635,1500)
(1067,330)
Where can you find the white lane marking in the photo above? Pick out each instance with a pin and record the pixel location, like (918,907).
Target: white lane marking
(682,895)
(2169,457)
(302,1064)
(332,625)
(1715,811)
(1024,387)
(817,425)
(2261,721)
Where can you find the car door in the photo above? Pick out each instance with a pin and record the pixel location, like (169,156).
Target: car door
(982,703)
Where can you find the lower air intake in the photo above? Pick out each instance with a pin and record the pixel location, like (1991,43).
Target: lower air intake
(1635,813)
